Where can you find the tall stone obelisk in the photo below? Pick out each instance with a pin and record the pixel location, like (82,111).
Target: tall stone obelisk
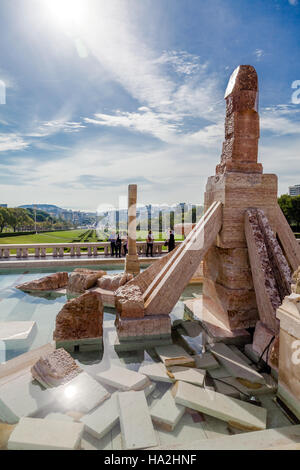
(132,264)
(239,183)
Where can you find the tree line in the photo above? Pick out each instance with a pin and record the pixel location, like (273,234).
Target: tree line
(23,220)
(290,206)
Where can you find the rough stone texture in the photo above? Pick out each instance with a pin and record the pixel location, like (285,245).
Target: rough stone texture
(48,283)
(55,369)
(270,270)
(113,282)
(80,318)
(281,270)
(156,325)
(130,302)
(82,279)
(242,123)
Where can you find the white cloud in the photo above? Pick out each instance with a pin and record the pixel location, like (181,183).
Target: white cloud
(173,82)
(281,120)
(258,53)
(57,125)
(11,142)
(181,61)
(293,2)
(161,125)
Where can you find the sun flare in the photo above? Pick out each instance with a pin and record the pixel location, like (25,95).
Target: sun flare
(68,13)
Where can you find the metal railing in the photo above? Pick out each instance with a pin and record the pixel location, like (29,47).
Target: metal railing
(71,250)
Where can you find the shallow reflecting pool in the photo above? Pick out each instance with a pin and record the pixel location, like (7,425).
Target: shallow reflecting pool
(16,305)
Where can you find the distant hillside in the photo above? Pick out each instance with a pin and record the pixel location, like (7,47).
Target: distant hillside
(42,207)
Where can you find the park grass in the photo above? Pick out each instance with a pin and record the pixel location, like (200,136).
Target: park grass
(72,236)
(46,237)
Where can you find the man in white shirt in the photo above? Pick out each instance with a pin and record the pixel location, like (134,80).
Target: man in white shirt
(150,242)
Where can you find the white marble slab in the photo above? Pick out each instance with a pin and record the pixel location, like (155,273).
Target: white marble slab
(82,394)
(244,415)
(17,334)
(135,420)
(188,374)
(166,412)
(123,379)
(43,434)
(174,355)
(155,371)
(23,396)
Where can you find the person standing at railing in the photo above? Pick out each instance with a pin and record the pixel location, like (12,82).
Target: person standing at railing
(171,240)
(150,242)
(112,239)
(118,246)
(125,243)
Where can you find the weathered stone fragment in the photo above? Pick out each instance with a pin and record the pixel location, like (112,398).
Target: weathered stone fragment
(82,279)
(270,270)
(113,282)
(154,325)
(48,283)
(55,369)
(80,318)
(129,302)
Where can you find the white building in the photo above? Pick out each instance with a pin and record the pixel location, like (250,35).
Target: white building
(294,190)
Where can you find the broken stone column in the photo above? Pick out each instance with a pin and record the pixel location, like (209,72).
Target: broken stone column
(228,291)
(132,264)
(289,353)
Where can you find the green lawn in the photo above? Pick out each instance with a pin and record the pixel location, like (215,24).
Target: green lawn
(47,237)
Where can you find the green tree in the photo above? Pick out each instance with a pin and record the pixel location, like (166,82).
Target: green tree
(4,218)
(295,212)
(285,203)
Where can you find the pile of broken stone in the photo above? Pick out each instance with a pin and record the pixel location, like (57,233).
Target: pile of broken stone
(91,406)
(81,318)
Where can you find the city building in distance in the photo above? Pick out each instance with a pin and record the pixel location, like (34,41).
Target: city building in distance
(294,190)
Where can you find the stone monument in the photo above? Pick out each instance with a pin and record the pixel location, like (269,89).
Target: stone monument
(239,183)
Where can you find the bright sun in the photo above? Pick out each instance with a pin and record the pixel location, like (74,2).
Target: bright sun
(69,13)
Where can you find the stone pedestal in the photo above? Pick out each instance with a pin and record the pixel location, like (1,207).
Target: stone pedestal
(289,353)
(228,291)
(132,265)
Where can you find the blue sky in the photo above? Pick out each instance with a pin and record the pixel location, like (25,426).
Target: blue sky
(100,94)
